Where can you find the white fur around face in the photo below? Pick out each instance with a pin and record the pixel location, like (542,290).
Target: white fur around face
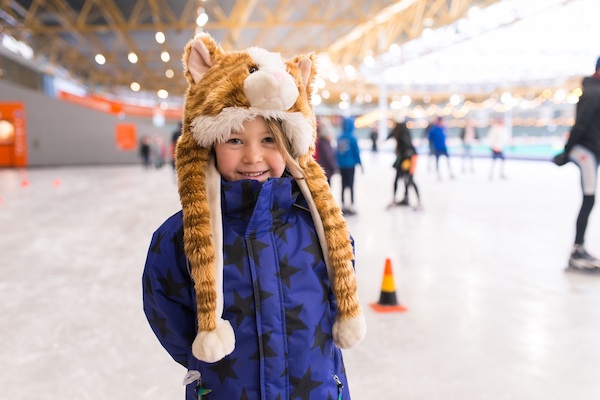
(208,130)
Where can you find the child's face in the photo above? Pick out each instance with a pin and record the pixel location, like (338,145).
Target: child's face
(250,154)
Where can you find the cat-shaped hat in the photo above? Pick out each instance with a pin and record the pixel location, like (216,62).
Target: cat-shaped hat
(225,90)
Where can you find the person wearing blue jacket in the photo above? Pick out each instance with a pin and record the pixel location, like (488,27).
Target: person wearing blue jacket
(251,286)
(348,157)
(437,138)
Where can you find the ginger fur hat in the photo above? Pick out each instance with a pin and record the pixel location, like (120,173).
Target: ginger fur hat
(225,90)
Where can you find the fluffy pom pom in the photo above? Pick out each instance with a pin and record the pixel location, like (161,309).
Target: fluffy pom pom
(350,332)
(212,346)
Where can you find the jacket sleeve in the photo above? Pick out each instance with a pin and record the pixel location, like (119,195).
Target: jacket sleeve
(587,107)
(167,296)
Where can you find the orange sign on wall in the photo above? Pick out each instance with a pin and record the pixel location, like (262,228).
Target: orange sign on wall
(13,139)
(126,137)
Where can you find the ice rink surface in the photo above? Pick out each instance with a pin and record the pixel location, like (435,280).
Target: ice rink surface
(492,313)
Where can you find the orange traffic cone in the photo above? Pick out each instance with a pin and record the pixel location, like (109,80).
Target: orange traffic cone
(387,300)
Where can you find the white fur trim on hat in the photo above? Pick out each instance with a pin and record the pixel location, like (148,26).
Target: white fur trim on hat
(208,129)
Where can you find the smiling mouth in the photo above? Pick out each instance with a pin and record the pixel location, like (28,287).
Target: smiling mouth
(253,174)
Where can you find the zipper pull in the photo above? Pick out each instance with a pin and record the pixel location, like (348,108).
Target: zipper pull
(340,386)
(192,376)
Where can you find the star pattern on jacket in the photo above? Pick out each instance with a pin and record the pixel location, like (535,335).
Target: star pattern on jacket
(171,286)
(224,368)
(314,248)
(160,323)
(267,351)
(321,338)
(325,292)
(177,240)
(303,386)
(293,322)
(235,254)
(148,285)
(156,245)
(242,307)
(256,247)
(286,271)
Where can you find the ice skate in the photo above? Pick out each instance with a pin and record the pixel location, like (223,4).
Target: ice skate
(581,260)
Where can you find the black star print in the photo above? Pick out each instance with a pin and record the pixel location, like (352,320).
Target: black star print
(329,396)
(235,254)
(160,323)
(248,199)
(224,369)
(277,212)
(241,307)
(156,246)
(172,288)
(281,231)
(303,386)
(293,321)
(325,291)
(267,351)
(265,295)
(314,249)
(244,395)
(148,285)
(320,339)
(177,241)
(256,246)
(286,271)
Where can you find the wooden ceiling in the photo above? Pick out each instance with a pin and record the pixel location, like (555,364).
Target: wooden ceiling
(69,33)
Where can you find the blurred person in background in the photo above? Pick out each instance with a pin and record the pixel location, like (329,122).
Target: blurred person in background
(348,157)
(498,138)
(405,164)
(437,139)
(145,152)
(469,136)
(583,148)
(325,154)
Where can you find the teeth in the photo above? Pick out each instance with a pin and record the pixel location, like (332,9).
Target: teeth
(251,174)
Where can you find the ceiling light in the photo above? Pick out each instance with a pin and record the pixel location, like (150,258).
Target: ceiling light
(394,49)
(160,37)
(162,93)
(169,73)
(100,59)
(202,17)
(164,106)
(165,56)
(132,57)
(325,94)
(316,99)
(135,86)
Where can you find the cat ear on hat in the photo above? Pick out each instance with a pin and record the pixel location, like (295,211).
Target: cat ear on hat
(200,55)
(306,64)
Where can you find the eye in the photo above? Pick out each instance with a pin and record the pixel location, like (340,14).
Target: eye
(252,69)
(234,141)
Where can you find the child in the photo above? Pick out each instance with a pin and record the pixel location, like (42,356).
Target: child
(251,286)
(348,157)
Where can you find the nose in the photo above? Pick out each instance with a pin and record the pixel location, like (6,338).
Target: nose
(278,75)
(252,154)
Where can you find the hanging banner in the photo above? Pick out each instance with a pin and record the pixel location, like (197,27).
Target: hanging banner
(13,139)
(126,137)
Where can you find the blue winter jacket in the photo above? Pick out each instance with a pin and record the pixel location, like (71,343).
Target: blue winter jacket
(348,153)
(437,136)
(277,297)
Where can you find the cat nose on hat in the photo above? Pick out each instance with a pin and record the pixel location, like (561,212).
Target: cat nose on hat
(278,75)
